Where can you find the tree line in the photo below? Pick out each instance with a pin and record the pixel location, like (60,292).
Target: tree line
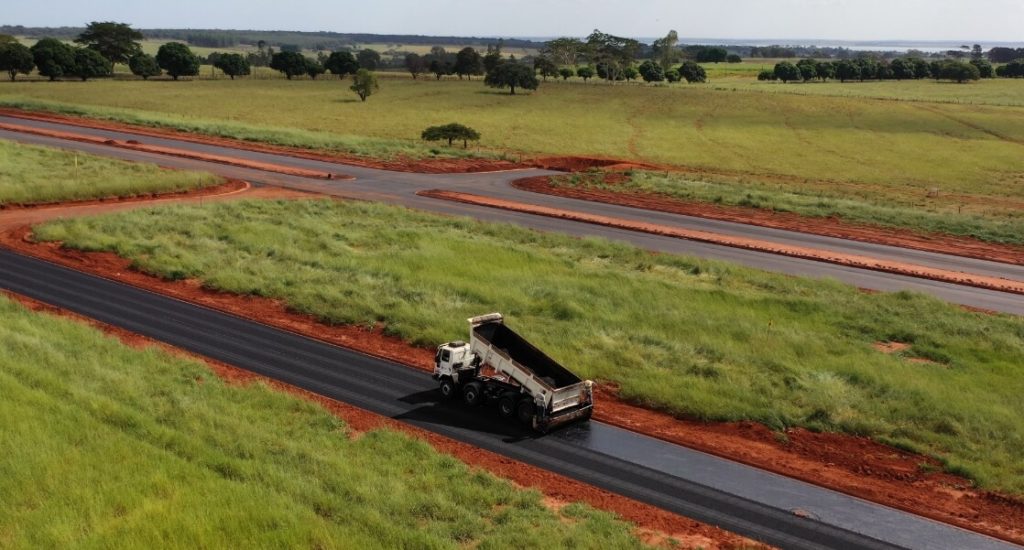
(903,68)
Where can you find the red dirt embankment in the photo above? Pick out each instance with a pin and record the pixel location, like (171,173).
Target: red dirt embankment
(861,262)
(654,526)
(853,465)
(135,146)
(829,227)
(228,187)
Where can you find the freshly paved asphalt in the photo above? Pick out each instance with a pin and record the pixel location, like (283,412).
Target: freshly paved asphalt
(401,188)
(751,502)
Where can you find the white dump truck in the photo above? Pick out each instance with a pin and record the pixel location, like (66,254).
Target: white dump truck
(500,367)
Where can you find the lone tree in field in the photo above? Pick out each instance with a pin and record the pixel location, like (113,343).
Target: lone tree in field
(289,63)
(177,59)
(692,72)
(341,63)
(144,65)
(511,74)
(233,64)
(16,58)
(545,67)
(468,62)
(565,73)
(117,42)
(90,64)
(368,59)
(364,84)
(651,72)
(586,73)
(451,132)
(415,65)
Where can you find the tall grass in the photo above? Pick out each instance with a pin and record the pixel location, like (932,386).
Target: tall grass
(107,446)
(987,222)
(882,146)
(30,174)
(703,339)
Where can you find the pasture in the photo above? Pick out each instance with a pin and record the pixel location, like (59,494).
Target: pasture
(700,339)
(30,175)
(106,445)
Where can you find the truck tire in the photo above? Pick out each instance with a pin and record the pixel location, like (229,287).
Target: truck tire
(473,394)
(507,405)
(448,388)
(525,411)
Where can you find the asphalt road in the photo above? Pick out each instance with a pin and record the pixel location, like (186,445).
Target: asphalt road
(737,498)
(401,188)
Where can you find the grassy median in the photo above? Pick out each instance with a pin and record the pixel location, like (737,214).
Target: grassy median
(698,338)
(32,175)
(105,445)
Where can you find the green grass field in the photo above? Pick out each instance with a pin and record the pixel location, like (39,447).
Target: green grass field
(998,223)
(697,338)
(30,175)
(108,446)
(811,141)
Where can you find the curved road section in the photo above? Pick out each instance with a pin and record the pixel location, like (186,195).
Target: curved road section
(401,188)
(760,505)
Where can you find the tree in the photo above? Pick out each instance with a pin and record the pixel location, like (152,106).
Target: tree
(117,42)
(630,73)
(1013,69)
(177,59)
(53,58)
(512,75)
(545,67)
(868,68)
(808,69)
(787,72)
(565,73)
(451,132)
(341,63)
(902,69)
(958,71)
(493,56)
(921,67)
(825,70)
(586,73)
(672,75)
(651,71)
(289,63)
(15,58)
(368,59)
(468,62)
(563,51)
(144,65)
(984,67)
(364,84)
(90,64)
(693,72)
(415,65)
(314,68)
(733,58)
(766,76)
(847,70)
(664,50)
(977,53)
(233,65)
(1005,55)
(611,54)
(712,55)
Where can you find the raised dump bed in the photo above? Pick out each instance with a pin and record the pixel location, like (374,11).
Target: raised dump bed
(499,366)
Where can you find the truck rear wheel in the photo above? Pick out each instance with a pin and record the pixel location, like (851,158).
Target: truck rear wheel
(507,406)
(447,388)
(473,394)
(525,411)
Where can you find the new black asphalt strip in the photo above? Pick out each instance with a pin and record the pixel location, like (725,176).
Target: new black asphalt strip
(760,505)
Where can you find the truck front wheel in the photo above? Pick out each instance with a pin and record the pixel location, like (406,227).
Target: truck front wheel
(447,388)
(473,394)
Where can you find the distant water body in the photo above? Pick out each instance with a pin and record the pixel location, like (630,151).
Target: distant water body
(929,46)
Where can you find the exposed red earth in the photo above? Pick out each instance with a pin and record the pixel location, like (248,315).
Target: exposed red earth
(862,262)
(829,227)
(228,187)
(853,465)
(654,526)
(135,146)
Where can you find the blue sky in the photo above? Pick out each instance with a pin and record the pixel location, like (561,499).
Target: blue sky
(993,20)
